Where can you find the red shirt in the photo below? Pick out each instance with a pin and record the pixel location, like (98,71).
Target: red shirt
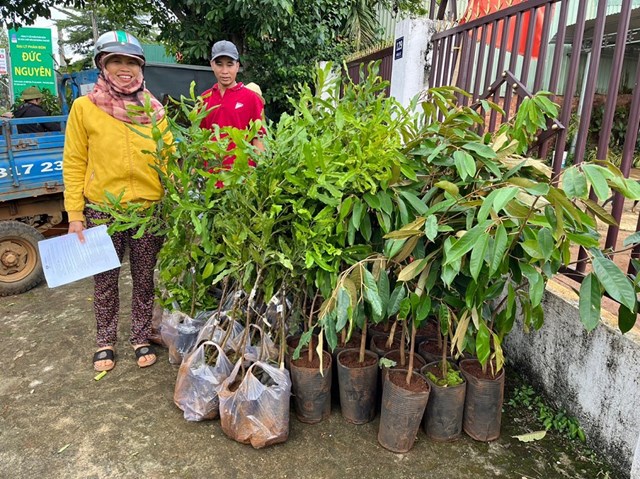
(237,108)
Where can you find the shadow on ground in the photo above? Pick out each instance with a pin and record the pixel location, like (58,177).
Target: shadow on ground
(57,422)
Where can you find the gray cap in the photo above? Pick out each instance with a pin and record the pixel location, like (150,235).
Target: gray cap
(224,48)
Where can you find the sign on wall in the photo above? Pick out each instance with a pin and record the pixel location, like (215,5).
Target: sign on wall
(31,53)
(399,48)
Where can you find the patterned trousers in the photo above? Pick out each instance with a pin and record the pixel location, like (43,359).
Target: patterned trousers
(143,253)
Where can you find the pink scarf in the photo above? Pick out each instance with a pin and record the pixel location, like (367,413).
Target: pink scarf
(114,101)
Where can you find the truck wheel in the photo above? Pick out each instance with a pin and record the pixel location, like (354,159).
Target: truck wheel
(20,265)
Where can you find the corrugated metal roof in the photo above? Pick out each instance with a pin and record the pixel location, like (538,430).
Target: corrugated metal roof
(157,54)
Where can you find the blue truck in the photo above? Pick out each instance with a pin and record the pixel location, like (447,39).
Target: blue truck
(30,199)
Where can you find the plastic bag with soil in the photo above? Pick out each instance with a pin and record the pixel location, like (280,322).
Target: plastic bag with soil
(179,332)
(198,382)
(255,409)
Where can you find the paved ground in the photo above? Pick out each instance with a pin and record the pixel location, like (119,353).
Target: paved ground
(57,422)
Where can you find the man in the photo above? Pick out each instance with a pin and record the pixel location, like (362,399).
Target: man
(32,98)
(229,101)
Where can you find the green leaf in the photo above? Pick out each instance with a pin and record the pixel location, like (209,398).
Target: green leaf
(372,200)
(444,317)
(632,239)
(431,227)
(626,319)
(504,196)
(531,247)
(465,164)
(399,293)
(447,186)
(574,183)
(486,206)
(423,309)
(499,249)
(342,308)
(483,349)
(590,299)
(477,256)
(483,150)
(598,181)
(615,282)
(383,289)
(208,271)
(463,245)
(546,243)
(365,227)
(385,202)
(358,213)
(371,293)
(416,203)
(536,283)
(345,207)
(405,308)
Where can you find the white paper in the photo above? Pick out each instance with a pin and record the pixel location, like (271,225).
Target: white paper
(65,259)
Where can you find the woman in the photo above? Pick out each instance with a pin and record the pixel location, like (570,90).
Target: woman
(103,154)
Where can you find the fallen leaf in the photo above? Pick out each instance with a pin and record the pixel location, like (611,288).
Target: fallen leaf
(532,436)
(63,448)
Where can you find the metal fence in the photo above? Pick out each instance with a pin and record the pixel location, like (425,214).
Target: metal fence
(385,56)
(552,45)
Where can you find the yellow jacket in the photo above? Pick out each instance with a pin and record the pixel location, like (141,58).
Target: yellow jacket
(102,154)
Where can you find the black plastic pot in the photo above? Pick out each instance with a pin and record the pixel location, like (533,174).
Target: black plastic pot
(311,390)
(358,385)
(445,410)
(402,410)
(354,342)
(186,339)
(483,403)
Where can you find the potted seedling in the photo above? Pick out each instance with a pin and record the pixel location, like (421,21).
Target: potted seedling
(497,228)
(399,425)
(444,413)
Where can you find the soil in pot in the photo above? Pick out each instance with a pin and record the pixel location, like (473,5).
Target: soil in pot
(445,409)
(311,390)
(403,407)
(483,402)
(431,351)
(428,330)
(357,384)
(292,344)
(379,345)
(418,361)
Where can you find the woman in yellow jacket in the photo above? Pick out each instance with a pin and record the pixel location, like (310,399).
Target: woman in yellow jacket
(103,154)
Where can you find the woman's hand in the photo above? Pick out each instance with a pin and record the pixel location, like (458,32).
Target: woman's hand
(77,227)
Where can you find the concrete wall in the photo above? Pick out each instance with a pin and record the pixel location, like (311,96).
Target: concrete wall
(595,376)
(410,72)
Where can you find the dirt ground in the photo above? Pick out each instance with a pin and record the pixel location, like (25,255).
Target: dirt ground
(56,421)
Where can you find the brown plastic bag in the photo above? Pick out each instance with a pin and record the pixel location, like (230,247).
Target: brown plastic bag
(256,413)
(197,384)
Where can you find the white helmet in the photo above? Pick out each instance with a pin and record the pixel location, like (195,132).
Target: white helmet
(119,42)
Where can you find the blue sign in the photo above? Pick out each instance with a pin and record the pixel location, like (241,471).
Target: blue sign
(399,47)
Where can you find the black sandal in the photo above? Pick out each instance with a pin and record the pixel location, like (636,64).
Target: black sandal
(146,350)
(104,355)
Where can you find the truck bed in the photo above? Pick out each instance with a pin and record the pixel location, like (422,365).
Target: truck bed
(30,163)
